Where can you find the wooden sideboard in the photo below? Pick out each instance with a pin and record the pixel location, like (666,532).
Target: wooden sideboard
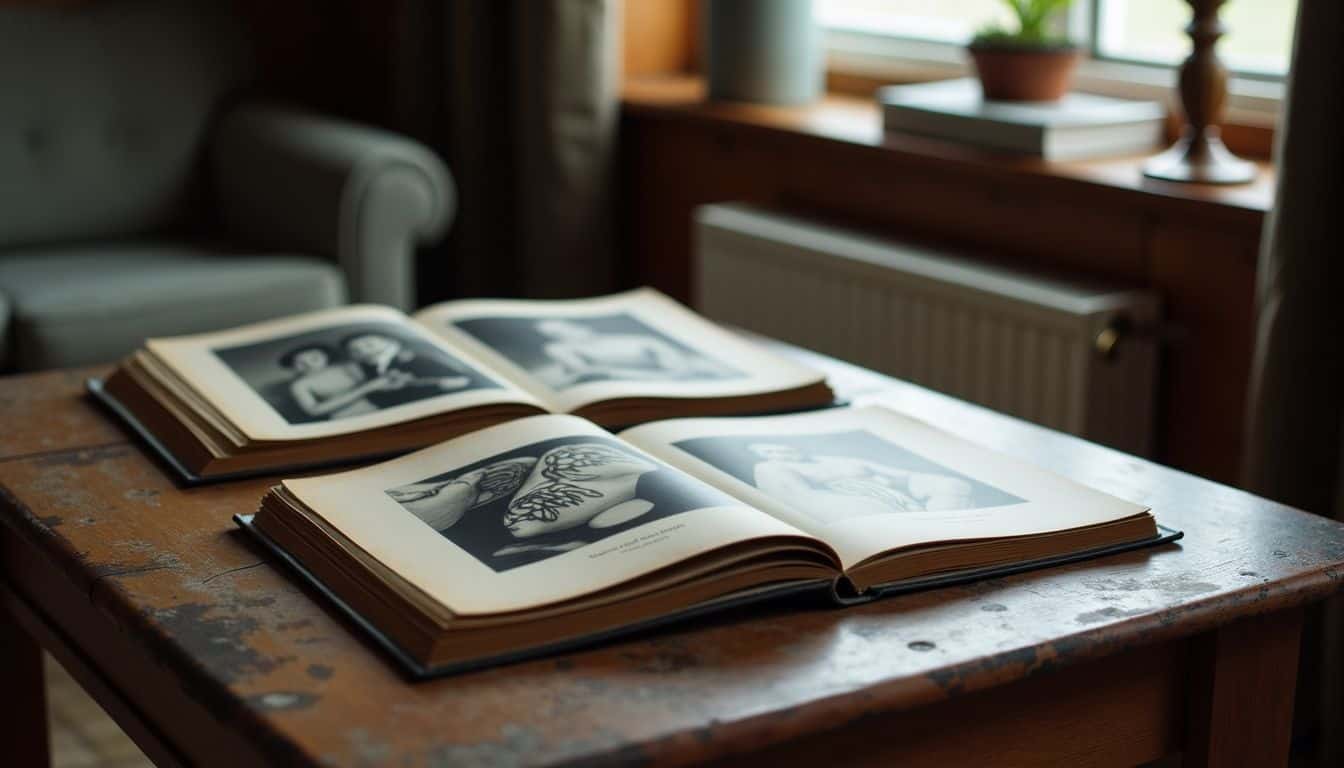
(1195,245)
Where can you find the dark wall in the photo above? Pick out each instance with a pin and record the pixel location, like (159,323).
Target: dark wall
(333,56)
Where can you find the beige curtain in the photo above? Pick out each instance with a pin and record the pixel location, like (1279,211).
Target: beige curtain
(521,99)
(1295,440)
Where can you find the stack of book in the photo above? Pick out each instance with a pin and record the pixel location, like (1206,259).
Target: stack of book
(1077,126)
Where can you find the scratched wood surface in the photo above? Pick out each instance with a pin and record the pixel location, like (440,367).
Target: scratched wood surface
(44,413)
(201,631)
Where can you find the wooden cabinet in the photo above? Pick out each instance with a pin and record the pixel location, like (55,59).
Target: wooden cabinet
(1196,246)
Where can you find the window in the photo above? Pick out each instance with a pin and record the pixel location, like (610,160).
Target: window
(1132,45)
(1258,41)
(946,21)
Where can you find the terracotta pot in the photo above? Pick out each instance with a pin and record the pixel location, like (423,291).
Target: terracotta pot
(1011,73)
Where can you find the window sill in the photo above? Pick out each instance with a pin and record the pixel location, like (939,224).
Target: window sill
(843,120)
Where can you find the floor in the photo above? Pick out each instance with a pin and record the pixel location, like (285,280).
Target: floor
(82,735)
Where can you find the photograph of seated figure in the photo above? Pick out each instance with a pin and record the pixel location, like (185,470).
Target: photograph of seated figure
(344,371)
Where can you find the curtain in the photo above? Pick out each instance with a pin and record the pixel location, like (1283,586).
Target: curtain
(521,100)
(1295,440)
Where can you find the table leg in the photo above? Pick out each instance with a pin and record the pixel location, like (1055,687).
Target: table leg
(1243,677)
(23,729)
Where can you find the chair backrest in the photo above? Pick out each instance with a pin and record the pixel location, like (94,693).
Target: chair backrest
(103,110)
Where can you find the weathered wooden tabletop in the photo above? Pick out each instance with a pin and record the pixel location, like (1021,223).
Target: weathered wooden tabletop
(222,657)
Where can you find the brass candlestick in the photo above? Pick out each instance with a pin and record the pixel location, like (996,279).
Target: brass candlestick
(1199,155)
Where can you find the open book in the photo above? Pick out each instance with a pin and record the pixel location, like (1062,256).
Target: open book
(550,532)
(367,381)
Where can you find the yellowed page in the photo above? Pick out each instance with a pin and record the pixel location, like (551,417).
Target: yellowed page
(867,480)
(636,344)
(524,514)
(331,372)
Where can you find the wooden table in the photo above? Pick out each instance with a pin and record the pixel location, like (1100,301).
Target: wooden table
(206,652)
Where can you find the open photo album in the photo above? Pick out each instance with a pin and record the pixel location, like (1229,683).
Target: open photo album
(550,532)
(368,381)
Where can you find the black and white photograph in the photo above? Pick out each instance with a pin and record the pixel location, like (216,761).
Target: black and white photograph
(348,370)
(550,497)
(839,475)
(567,351)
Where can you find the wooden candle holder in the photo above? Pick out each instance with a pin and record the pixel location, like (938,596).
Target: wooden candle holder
(1199,156)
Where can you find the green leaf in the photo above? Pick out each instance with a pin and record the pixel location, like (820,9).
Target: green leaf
(1033,19)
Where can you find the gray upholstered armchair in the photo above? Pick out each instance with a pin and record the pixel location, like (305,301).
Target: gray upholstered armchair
(139,196)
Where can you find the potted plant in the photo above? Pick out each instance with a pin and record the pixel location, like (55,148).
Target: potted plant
(1028,64)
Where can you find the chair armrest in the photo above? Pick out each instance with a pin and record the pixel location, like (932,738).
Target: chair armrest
(287,179)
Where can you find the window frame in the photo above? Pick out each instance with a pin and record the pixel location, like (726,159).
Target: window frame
(1252,98)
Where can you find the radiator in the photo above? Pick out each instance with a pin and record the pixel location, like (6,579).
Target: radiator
(1056,353)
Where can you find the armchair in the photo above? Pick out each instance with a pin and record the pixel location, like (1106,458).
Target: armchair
(139,195)
(358,195)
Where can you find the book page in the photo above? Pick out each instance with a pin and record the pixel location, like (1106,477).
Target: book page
(870,480)
(635,344)
(330,372)
(536,511)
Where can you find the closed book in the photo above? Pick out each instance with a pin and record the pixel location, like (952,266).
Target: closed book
(1078,126)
